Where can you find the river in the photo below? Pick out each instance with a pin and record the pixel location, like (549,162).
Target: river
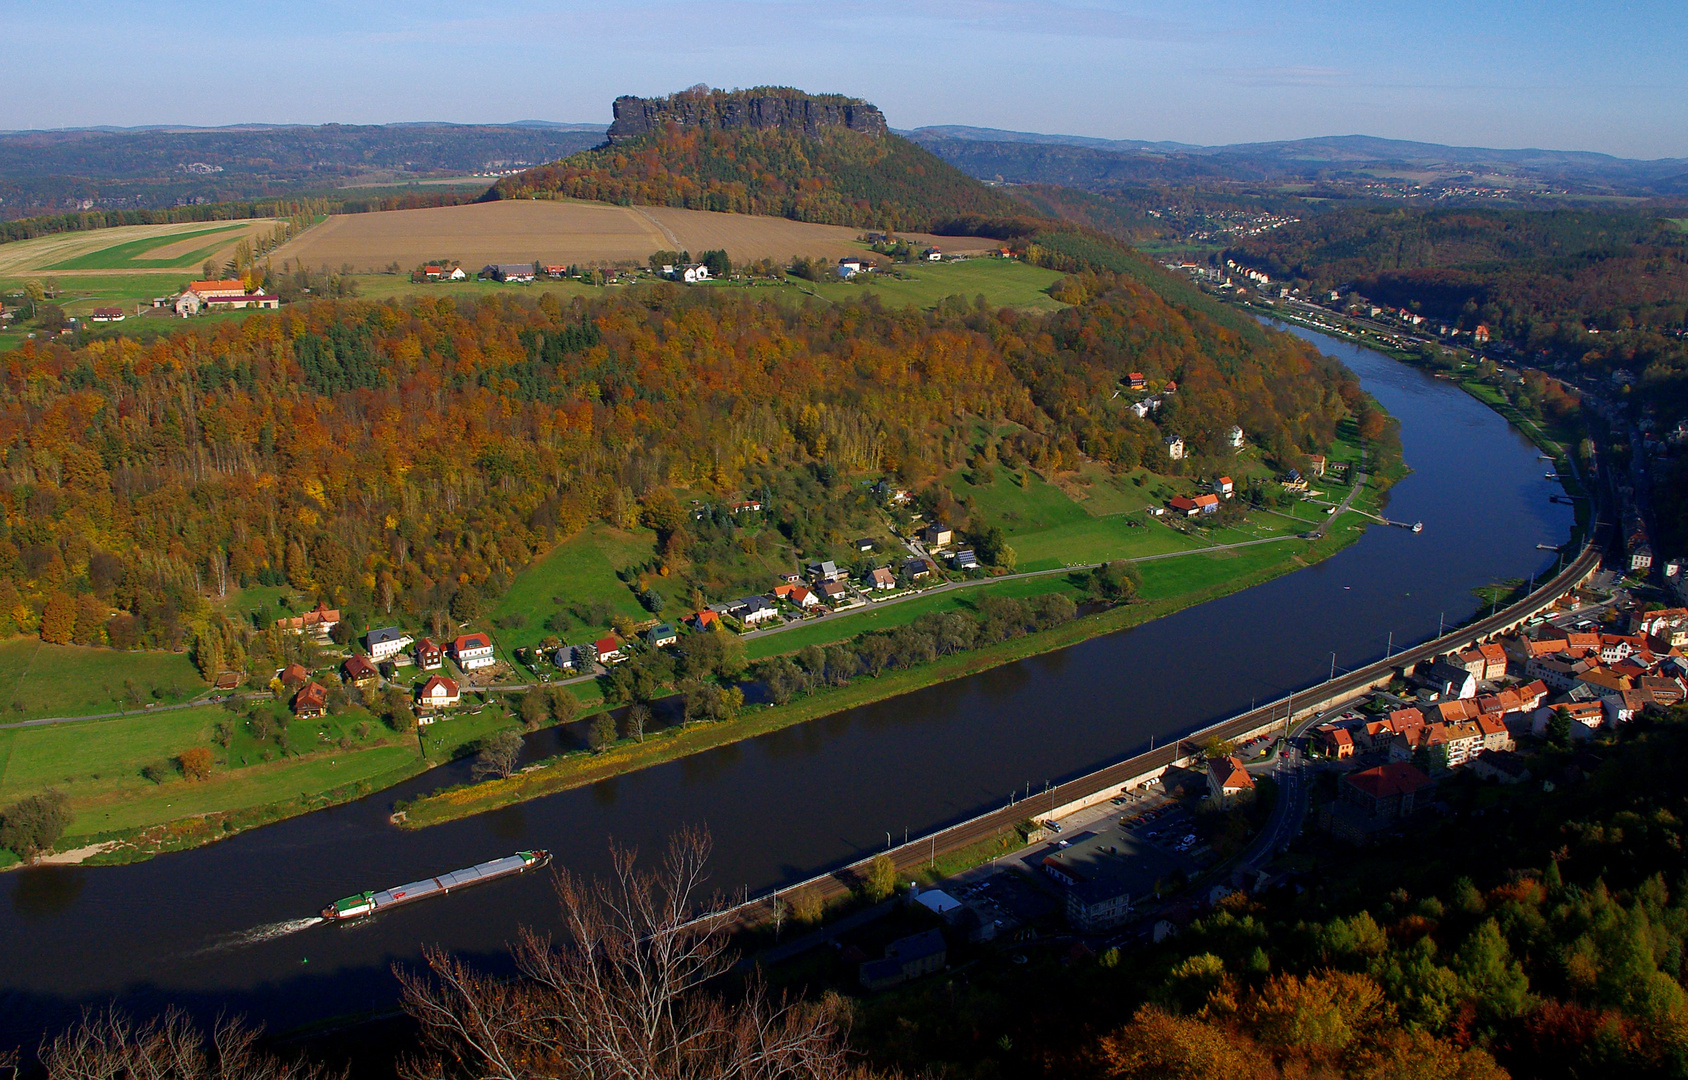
(218,928)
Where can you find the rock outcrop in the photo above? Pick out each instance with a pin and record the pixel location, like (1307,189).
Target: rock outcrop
(758,109)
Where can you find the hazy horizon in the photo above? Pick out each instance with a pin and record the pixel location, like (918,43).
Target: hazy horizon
(1560,76)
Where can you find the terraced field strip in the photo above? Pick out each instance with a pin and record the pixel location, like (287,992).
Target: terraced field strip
(128,255)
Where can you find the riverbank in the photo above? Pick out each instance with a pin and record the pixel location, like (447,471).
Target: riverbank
(1559,440)
(581,768)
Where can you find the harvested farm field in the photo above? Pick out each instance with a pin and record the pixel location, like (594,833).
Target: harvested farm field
(582,233)
(130,249)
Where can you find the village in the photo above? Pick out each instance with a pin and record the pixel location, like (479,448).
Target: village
(1454,733)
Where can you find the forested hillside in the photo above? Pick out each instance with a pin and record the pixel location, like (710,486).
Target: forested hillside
(1519,270)
(832,175)
(396,455)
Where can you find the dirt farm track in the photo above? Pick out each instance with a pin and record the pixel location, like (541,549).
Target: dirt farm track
(587,234)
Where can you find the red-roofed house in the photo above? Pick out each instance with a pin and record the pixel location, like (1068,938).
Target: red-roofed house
(1227,780)
(1207,503)
(1494,661)
(429,655)
(796,593)
(438,692)
(1223,486)
(609,651)
(360,672)
(473,651)
(319,620)
(1386,792)
(1336,741)
(311,702)
(706,620)
(294,676)
(1183,504)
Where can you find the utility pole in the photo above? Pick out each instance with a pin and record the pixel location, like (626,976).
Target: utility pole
(1389,648)
(1441,618)
(887,839)
(1332,667)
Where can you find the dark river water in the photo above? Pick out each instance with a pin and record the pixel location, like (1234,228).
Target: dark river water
(210,929)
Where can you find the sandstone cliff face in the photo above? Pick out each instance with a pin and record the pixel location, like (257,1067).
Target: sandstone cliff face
(635,116)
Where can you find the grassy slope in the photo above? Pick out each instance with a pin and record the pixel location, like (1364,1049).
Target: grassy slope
(579,572)
(37,679)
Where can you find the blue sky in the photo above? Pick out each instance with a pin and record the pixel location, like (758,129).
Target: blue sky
(1585,76)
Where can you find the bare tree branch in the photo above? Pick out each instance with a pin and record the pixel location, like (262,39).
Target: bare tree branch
(109,1045)
(623,995)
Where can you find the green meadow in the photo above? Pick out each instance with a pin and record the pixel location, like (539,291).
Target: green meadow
(1002,282)
(37,679)
(126,256)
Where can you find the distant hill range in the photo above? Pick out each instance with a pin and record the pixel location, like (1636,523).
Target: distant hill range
(776,151)
(1354,160)
(52,172)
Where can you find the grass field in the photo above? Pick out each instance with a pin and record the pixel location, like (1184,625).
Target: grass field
(103,766)
(1048,529)
(589,234)
(138,248)
(99,763)
(1002,282)
(37,679)
(579,572)
(186,250)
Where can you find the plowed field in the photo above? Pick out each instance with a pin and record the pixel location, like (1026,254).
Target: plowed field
(587,234)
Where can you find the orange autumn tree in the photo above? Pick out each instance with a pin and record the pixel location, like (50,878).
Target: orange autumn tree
(392,455)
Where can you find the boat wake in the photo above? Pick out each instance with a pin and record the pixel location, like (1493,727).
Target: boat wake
(260,934)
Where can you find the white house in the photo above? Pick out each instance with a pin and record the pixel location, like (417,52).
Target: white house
(757,610)
(386,643)
(1236,437)
(849,268)
(694,273)
(438,692)
(1175,448)
(473,651)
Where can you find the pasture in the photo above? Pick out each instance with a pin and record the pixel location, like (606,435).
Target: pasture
(563,233)
(37,679)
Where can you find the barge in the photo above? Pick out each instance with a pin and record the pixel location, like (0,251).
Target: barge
(367,903)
